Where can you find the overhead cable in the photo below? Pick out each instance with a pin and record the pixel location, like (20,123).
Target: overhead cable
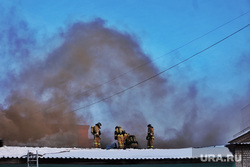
(161,72)
(141,65)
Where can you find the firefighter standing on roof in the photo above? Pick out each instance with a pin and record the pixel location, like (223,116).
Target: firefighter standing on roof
(150,137)
(97,133)
(119,136)
(116,132)
(125,139)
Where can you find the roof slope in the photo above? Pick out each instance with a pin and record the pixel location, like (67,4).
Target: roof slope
(71,153)
(243,138)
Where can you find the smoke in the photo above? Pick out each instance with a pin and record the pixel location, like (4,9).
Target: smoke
(24,122)
(44,97)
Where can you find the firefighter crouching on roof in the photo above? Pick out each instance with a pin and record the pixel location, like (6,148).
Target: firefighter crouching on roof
(150,137)
(133,143)
(119,136)
(96,132)
(129,140)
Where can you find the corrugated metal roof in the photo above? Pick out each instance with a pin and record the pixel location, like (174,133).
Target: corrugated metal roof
(112,154)
(242,143)
(243,138)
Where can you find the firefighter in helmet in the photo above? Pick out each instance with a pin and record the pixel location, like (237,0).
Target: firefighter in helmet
(126,139)
(150,137)
(119,136)
(116,132)
(133,143)
(97,133)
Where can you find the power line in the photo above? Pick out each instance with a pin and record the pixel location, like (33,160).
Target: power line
(124,90)
(139,66)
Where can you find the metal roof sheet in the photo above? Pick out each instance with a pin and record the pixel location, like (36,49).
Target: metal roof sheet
(112,154)
(241,143)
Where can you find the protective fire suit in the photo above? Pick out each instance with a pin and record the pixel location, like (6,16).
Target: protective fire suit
(97,138)
(150,137)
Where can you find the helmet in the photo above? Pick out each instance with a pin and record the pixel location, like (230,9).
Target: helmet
(99,124)
(149,125)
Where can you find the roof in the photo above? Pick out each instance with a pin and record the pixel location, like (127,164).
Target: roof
(243,138)
(112,154)
(242,132)
(242,143)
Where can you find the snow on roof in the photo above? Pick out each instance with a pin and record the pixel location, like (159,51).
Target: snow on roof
(241,143)
(238,137)
(46,152)
(241,133)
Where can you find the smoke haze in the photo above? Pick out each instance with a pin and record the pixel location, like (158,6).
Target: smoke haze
(44,95)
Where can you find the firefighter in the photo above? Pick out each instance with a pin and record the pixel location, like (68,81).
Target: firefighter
(133,143)
(150,137)
(97,133)
(116,132)
(119,136)
(126,139)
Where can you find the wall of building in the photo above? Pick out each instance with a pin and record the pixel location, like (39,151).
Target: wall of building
(242,155)
(83,137)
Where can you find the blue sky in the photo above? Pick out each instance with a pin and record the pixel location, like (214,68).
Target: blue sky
(159,27)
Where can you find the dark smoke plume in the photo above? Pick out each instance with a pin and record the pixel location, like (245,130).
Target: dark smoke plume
(43,97)
(46,93)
